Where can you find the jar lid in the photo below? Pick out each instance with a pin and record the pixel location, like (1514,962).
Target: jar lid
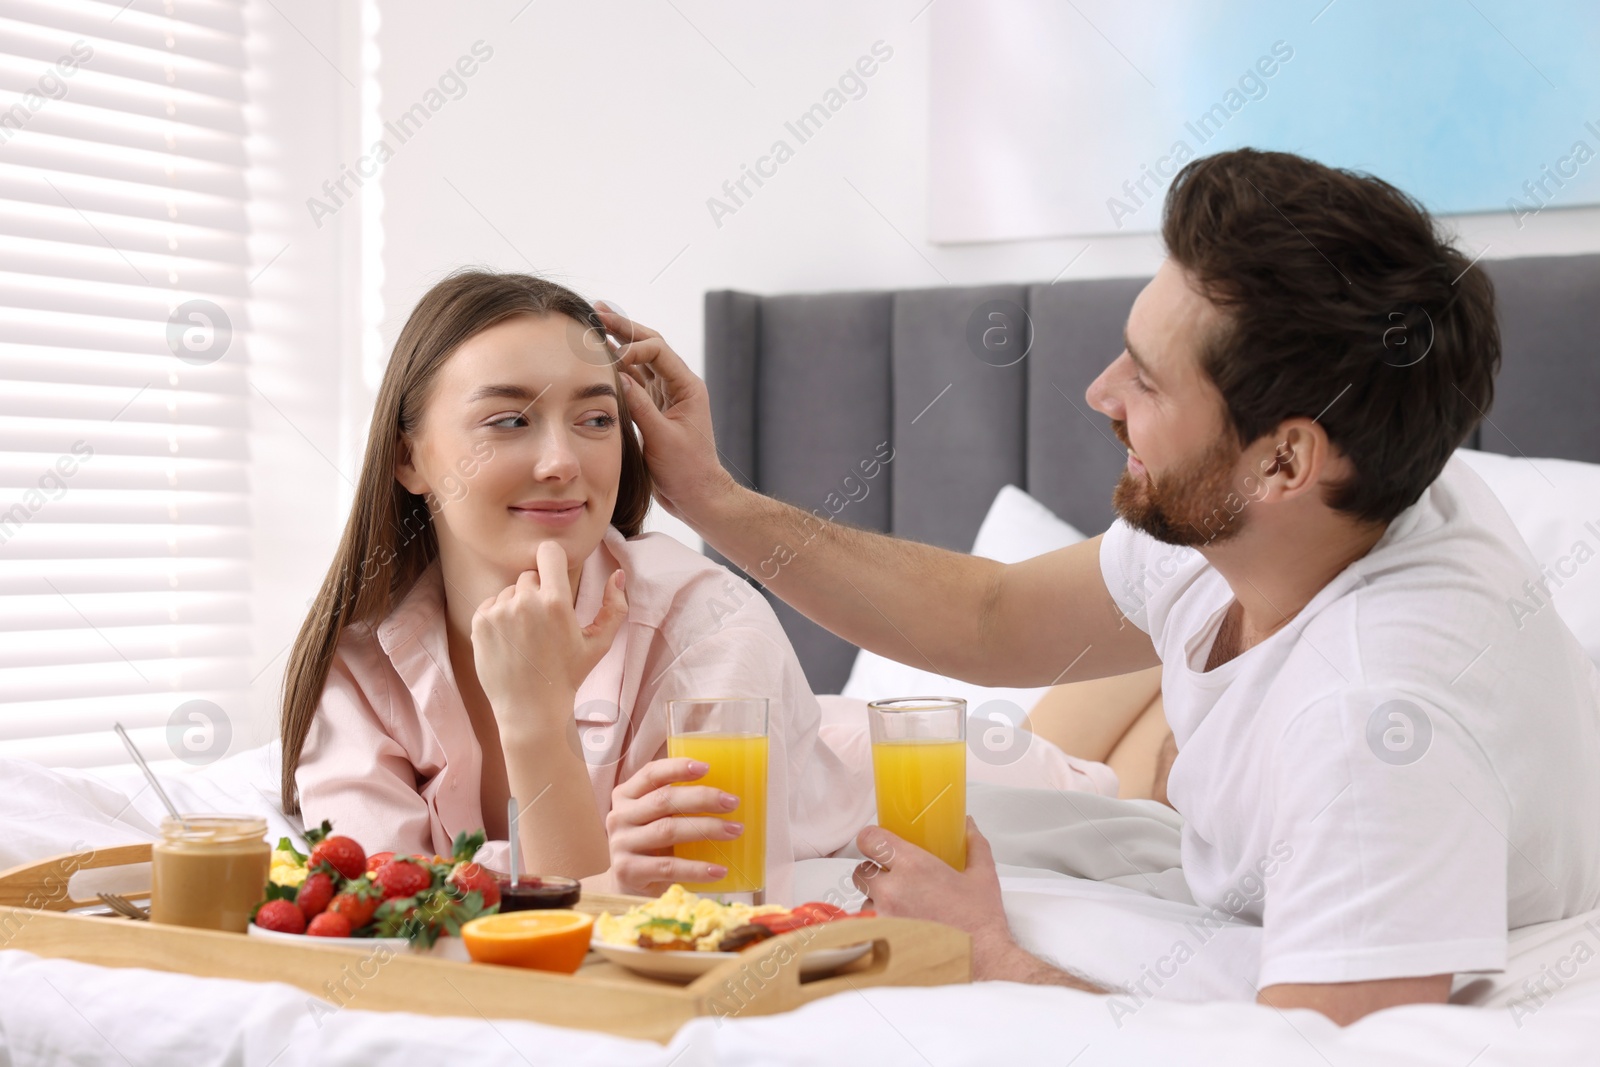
(213,829)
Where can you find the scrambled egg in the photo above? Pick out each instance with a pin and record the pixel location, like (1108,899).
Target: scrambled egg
(703,920)
(286,870)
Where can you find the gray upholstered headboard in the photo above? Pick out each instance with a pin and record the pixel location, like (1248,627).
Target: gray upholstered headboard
(804,387)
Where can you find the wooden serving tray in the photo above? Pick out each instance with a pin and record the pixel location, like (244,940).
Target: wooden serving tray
(764,980)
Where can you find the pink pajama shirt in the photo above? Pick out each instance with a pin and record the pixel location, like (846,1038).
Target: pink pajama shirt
(392,760)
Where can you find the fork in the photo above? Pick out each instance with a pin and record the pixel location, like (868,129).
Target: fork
(125,907)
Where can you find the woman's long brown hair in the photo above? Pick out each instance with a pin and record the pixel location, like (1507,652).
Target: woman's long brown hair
(389,539)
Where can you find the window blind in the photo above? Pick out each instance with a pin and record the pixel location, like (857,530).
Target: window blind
(124,539)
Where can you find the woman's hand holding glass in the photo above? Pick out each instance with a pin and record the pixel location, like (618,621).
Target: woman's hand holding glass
(530,653)
(645,821)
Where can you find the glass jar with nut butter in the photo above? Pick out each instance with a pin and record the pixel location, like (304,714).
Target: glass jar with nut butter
(209,871)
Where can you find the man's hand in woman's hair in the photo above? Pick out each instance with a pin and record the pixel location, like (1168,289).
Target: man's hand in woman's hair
(669,403)
(649,815)
(529,651)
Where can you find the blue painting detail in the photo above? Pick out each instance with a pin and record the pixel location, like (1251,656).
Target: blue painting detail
(1487,105)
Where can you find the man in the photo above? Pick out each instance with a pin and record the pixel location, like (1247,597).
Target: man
(1360,722)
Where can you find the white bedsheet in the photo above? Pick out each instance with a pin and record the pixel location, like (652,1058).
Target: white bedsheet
(1545,1009)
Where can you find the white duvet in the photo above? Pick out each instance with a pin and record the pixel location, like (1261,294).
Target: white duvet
(1188,976)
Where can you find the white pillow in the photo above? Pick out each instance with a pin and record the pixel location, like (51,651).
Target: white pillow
(1555,505)
(1017,527)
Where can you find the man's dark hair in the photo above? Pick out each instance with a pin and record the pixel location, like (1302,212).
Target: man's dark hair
(1343,304)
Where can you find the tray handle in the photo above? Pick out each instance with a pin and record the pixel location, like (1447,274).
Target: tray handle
(42,886)
(766,977)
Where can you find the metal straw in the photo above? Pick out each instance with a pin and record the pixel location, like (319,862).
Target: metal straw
(511,823)
(149,774)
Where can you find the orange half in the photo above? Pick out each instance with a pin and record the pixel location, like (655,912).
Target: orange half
(544,940)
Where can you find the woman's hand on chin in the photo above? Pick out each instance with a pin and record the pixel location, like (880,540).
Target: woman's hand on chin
(649,815)
(530,653)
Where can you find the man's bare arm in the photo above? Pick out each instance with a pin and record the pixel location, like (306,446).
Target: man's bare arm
(902,879)
(947,612)
(911,602)
(1342,1002)
(1345,1002)
(1013,963)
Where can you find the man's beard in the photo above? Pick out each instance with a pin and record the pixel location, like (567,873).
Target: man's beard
(1176,507)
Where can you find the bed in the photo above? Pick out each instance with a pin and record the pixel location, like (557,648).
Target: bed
(805,387)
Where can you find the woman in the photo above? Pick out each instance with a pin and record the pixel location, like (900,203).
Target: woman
(495,623)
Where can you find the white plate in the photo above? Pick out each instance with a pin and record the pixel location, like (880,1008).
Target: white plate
(687,966)
(446,948)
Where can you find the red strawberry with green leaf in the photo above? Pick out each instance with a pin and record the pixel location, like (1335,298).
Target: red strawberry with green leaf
(403,877)
(466,876)
(329,924)
(474,877)
(281,915)
(358,900)
(315,893)
(342,854)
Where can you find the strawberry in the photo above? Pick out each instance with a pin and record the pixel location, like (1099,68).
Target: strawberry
(340,853)
(329,924)
(315,892)
(468,876)
(403,877)
(282,916)
(357,902)
(378,859)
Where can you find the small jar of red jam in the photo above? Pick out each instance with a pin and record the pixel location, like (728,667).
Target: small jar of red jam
(535,893)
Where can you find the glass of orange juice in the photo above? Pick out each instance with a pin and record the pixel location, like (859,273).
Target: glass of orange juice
(919,763)
(728,735)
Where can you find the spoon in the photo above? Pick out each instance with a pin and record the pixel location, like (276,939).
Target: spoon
(149,774)
(511,823)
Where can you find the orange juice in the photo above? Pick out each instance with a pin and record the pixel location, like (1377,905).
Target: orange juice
(922,795)
(738,765)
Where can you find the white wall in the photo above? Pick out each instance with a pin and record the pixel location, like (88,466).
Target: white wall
(303,322)
(586,148)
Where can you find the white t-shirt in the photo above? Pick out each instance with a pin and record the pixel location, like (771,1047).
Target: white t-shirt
(1406,771)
